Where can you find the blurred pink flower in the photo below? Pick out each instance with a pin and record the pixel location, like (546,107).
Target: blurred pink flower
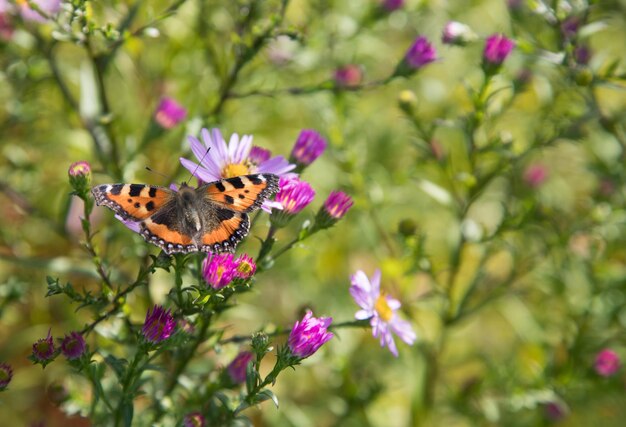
(6,374)
(497,49)
(535,175)
(607,363)
(169,113)
(308,147)
(309,334)
(237,368)
(348,76)
(381,310)
(337,204)
(294,195)
(194,419)
(457,33)
(391,5)
(48,7)
(73,346)
(420,53)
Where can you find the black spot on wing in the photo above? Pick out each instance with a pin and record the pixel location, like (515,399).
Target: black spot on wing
(116,189)
(220,186)
(229,199)
(135,189)
(152,193)
(150,205)
(236,182)
(241,196)
(255,179)
(137,205)
(225,214)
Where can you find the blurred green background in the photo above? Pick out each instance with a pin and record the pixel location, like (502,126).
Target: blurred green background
(545,264)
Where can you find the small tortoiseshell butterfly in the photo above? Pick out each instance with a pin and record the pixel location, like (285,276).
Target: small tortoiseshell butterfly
(210,218)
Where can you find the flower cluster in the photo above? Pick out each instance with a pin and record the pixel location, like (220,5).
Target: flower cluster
(219,270)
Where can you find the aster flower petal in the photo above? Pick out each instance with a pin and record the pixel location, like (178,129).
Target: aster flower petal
(403,329)
(363,314)
(393,303)
(391,344)
(199,171)
(277,165)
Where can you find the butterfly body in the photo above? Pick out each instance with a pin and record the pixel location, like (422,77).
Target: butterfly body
(210,218)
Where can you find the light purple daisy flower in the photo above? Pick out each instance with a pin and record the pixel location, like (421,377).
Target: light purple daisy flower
(381,310)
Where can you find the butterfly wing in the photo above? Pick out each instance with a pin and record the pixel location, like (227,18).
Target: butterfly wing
(133,202)
(244,193)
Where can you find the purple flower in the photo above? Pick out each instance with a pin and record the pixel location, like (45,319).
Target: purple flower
(308,147)
(159,324)
(607,363)
(308,335)
(77,169)
(535,175)
(456,33)
(6,374)
(237,368)
(48,7)
(194,419)
(381,310)
(337,204)
(6,27)
(555,410)
(348,76)
(246,266)
(391,5)
(582,54)
(43,349)
(497,49)
(73,346)
(169,113)
(233,159)
(219,269)
(420,53)
(569,27)
(294,195)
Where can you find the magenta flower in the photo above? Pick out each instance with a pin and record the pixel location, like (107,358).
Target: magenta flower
(391,5)
(80,176)
(582,54)
(6,374)
(535,175)
(497,49)
(78,169)
(348,76)
(43,350)
(6,27)
(457,33)
(381,310)
(194,419)
(308,335)
(159,324)
(73,346)
(246,266)
(236,158)
(294,195)
(48,7)
(607,363)
(569,27)
(169,113)
(308,147)
(555,410)
(337,204)
(219,269)
(420,53)
(237,368)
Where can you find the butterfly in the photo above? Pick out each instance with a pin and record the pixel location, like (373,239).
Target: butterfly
(210,218)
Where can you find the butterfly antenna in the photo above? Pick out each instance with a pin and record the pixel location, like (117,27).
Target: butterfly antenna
(149,169)
(199,163)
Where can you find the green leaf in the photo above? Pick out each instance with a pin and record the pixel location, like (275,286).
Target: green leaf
(118,365)
(266,395)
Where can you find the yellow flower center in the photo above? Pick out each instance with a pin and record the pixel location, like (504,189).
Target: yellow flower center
(235,169)
(220,272)
(244,268)
(382,308)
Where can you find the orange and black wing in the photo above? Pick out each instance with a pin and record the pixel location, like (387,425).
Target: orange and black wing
(134,202)
(244,193)
(228,229)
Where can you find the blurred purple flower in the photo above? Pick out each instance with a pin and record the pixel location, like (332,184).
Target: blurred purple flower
(194,419)
(607,363)
(159,324)
(308,147)
(391,5)
(337,204)
(6,26)
(81,168)
(535,175)
(43,349)
(169,113)
(233,159)
(219,269)
(294,195)
(582,54)
(349,75)
(309,334)
(569,27)
(497,49)
(237,368)
(457,33)
(73,345)
(6,374)
(420,53)
(381,310)
(555,410)
(246,266)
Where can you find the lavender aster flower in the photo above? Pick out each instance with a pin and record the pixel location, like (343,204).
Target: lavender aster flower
(48,7)
(607,363)
(6,374)
(420,53)
(381,310)
(169,113)
(237,368)
(73,346)
(337,204)
(246,266)
(309,146)
(194,419)
(219,270)
(308,335)
(497,49)
(159,324)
